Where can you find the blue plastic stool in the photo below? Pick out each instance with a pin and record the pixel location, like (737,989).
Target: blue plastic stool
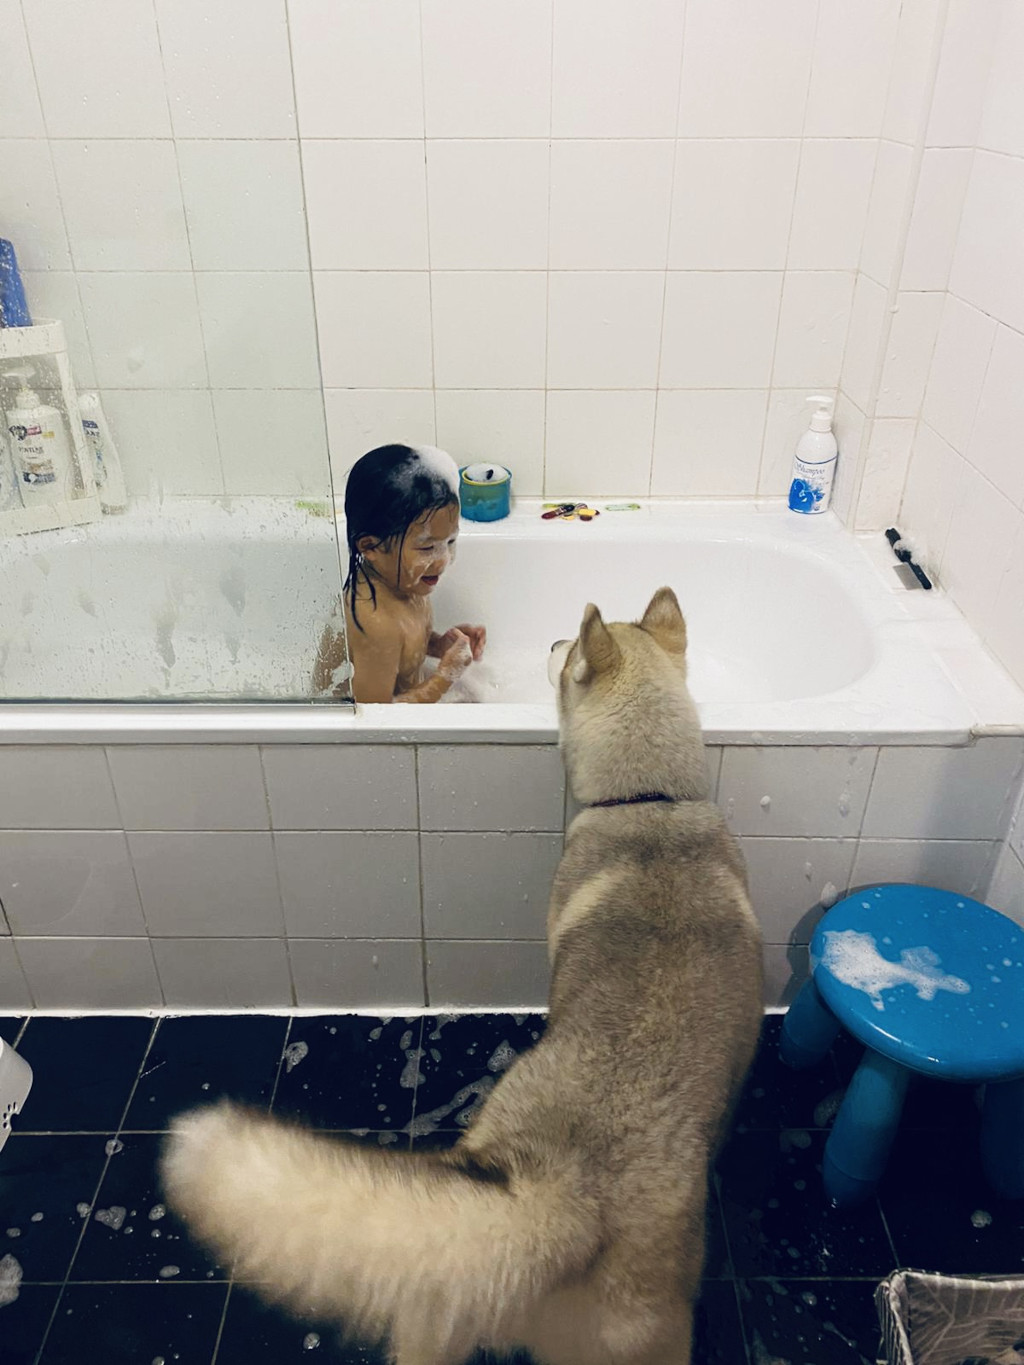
(929,982)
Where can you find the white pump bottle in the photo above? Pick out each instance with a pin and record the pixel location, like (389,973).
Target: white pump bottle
(814,465)
(39,445)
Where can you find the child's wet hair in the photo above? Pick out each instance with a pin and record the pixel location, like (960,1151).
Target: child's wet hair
(387,490)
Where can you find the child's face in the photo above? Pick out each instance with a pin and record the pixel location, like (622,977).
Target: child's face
(428,550)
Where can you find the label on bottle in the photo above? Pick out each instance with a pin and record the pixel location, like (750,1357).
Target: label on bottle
(36,463)
(811,488)
(92,435)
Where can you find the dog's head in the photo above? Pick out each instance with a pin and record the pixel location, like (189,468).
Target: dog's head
(602,653)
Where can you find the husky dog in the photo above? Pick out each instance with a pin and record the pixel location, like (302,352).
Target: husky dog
(569,1219)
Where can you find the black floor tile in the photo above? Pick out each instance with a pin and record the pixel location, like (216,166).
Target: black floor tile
(776,1217)
(463,1055)
(941,1106)
(52,1177)
(256,1333)
(811,1322)
(83,1072)
(199,1058)
(346,1071)
(717,1333)
(23,1323)
(10,1027)
(775,1096)
(941,1212)
(130,1235)
(134,1324)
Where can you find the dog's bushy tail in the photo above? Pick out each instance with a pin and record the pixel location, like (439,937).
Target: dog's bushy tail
(419,1248)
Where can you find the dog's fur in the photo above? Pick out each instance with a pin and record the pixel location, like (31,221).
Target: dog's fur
(569,1219)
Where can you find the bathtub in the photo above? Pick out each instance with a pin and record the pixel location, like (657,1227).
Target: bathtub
(181,848)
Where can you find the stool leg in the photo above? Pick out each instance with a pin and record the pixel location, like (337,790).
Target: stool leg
(1002,1138)
(808,1030)
(858,1146)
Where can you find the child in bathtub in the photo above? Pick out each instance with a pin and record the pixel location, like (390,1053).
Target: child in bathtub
(402,522)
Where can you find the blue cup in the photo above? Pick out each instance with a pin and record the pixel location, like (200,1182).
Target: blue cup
(13,308)
(485,492)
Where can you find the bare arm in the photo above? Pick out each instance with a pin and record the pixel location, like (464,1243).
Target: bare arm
(454,661)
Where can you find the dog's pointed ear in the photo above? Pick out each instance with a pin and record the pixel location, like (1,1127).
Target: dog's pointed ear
(598,652)
(663,620)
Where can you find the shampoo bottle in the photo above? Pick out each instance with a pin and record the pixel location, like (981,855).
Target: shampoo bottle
(39,445)
(10,498)
(107,469)
(814,465)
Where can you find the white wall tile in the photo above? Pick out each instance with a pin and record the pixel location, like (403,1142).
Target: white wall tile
(908,355)
(610,204)
(496,424)
(20,112)
(496,885)
(968,37)
(616,68)
(832,193)
(144,330)
(746,68)
(489,975)
(488,204)
(850,427)
(367,204)
(1002,121)
(227,67)
(71,882)
(853,51)
(488,328)
(929,495)
(810,791)
(207,885)
(886,212)
(374,329)
(862,342)
(719,329)
(938,204)
(243,202)
(789,879)
(1015,838)
(359,420)
(813,322)
(598,443)
(259,329)
(1009,644)
(786,421)
(917,36)
(167,440)
(936,793)
(224,973)
(189,786)
(71,42)
(987,265)
(885,472)
(90,973)
(786,969)
(487,69)
(604,329)
(55,787)
(33,220)
(338,885)
(960,865)
(708,442)
(1006,893)
(732,203)
(957,372)
(978,551)
(995,446)
(357,68)
(141,177)
(491,787)
(14,992)
(348,974)
(340,786)
(272,441)
(54,294)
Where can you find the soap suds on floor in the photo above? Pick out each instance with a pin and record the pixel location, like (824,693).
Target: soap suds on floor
(10,1280)
(294,1054)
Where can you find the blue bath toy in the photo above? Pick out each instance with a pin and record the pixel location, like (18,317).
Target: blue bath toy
(485,492)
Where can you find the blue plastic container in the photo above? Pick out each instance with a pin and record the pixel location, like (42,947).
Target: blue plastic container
(485,492)
(13,308)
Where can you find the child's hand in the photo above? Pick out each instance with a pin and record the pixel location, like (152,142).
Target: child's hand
(457,656)
(477,637)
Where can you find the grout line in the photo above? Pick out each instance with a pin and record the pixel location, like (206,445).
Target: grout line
(419,872)
(426,224)
(416,1087)
(223,1320)
(280,1063)
(547,263)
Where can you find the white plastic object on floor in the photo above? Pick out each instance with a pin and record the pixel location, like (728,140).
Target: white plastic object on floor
(15,1083)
